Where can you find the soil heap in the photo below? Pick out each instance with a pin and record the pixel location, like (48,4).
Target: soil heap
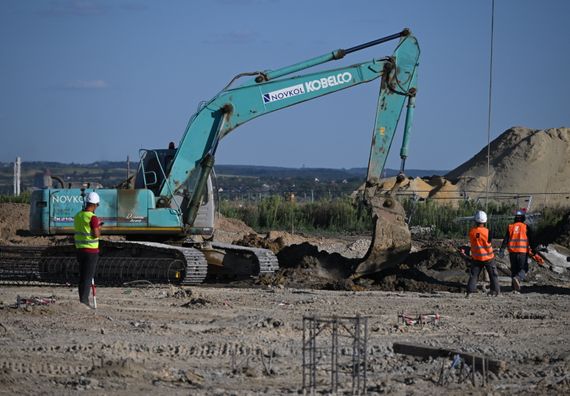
(523,160)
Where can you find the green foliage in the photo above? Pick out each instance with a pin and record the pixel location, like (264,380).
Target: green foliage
(455,221)
(340,215)
(23,198)
(275,213)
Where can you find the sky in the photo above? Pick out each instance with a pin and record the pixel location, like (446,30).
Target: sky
(95,80)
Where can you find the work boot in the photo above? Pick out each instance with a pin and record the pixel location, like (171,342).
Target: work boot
(516,284)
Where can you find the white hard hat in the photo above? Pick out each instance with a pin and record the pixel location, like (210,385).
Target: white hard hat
(480,216)
(92,198)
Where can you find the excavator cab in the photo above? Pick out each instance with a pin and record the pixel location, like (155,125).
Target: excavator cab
(154,167)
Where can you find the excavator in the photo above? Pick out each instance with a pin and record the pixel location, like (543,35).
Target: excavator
(167,210)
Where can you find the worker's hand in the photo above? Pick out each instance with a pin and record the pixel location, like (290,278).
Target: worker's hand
(501,253)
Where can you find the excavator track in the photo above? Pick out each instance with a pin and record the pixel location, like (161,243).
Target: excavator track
(265,262)
(119,263)
(20,265)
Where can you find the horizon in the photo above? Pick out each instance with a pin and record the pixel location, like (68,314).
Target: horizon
(6,164)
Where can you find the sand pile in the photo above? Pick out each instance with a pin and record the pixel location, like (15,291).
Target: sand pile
(525,161)
(13,217)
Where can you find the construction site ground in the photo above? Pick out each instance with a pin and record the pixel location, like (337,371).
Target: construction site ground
(246,336)
(222,341)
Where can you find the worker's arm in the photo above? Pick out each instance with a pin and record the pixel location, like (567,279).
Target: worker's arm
(95,227)
(504,244)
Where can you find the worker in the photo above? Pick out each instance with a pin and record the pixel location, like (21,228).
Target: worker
(482,256)
(517,241)
(87,229)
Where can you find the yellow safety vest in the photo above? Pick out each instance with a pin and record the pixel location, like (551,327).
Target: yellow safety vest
(82,227)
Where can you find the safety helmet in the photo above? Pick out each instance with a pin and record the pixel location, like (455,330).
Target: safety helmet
(520,215)
(92,198)
(480,216)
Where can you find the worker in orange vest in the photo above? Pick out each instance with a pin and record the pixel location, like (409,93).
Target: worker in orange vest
(517,242)
(482,256)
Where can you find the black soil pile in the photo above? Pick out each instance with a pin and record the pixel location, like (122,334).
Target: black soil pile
(437,266)
(304,265)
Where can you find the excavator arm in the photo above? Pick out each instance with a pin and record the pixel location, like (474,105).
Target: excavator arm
(272,90)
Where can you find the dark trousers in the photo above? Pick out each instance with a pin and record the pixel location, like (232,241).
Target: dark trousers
(87,267)
(475,270)
(519,265)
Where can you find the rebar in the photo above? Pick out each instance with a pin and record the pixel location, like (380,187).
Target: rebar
(339,337)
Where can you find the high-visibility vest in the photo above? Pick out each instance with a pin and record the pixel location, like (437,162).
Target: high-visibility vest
(481,249)
(82,228)
(518,238)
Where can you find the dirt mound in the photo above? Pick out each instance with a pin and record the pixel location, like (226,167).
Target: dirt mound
(254,240)
(232,225)
(435,266)
(13,217)
(15,227)
(523,160)
(228,230)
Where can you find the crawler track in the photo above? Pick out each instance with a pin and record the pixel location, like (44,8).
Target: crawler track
(126,261)
(119,263)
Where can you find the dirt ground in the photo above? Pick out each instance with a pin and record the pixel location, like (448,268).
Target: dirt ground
(212,340)
(246,337)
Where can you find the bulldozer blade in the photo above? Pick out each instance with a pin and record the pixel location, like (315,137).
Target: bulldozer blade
(391,238)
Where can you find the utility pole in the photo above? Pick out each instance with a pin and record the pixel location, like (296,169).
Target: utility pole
(17,175)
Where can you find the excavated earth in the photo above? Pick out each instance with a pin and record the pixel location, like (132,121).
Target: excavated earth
(246,337)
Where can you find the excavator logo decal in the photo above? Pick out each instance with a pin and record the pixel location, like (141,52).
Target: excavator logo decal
(67,199)
(309,86)
(330,81)
(284,93)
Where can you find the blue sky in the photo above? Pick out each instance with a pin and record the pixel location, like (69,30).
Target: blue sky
(89,80)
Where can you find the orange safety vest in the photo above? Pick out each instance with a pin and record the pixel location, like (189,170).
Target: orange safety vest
(481,249)
(518,239)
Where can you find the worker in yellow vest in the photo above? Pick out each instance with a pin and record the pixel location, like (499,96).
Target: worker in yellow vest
(482,256)
(87,230)
(517,241)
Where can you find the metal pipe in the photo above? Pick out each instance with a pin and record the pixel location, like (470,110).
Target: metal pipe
(408,126)
(403,33)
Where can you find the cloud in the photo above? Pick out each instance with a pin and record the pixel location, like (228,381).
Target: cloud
(86,84)
(74,8)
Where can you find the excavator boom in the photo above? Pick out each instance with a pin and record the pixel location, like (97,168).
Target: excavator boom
(271,91)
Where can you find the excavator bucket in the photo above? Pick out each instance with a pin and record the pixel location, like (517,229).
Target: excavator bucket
(391,238)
